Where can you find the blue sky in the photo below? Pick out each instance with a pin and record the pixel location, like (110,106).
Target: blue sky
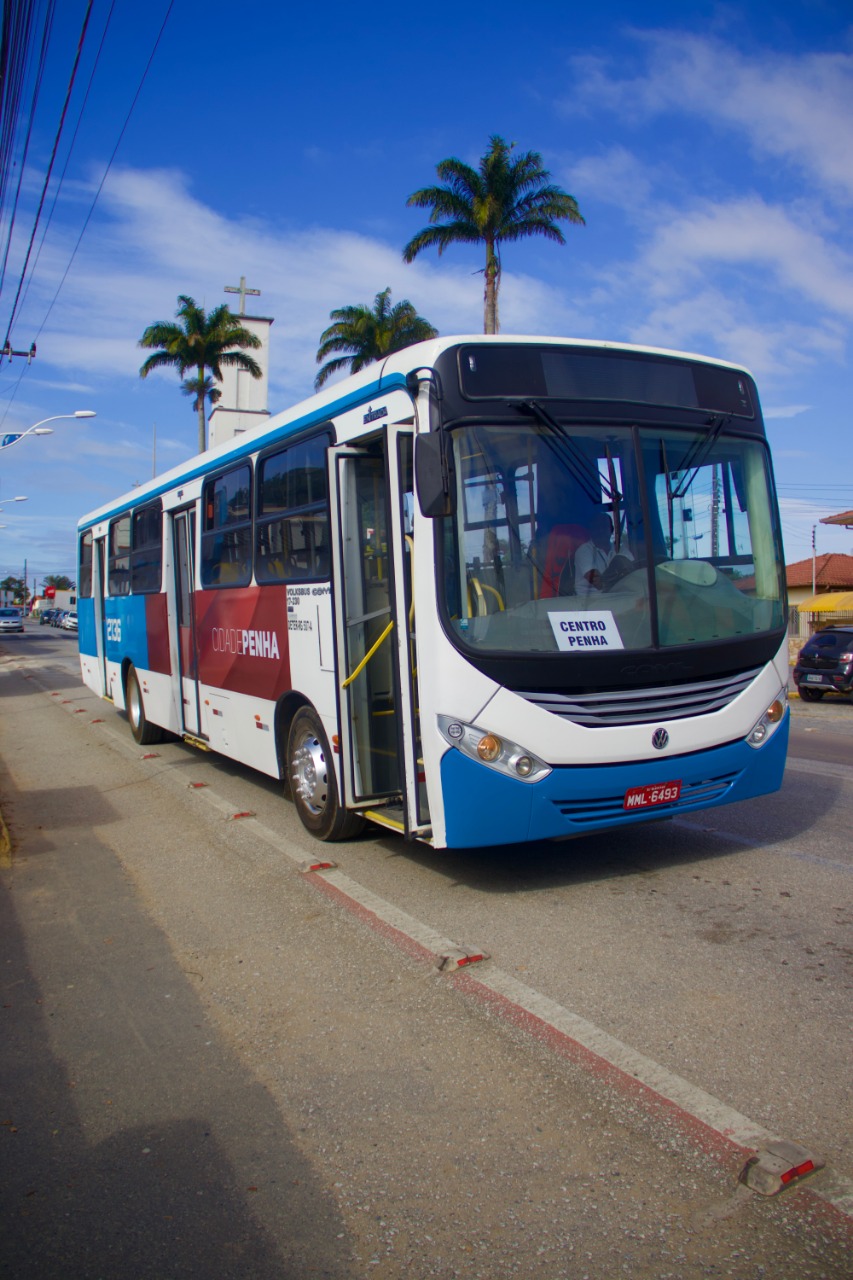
(709,146)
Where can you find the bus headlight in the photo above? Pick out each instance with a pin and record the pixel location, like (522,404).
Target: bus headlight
(770,721)
(488,748)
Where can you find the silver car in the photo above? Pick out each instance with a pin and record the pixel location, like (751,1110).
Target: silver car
(11,619)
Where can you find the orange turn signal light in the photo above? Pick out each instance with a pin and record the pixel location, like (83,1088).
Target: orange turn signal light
(489,747)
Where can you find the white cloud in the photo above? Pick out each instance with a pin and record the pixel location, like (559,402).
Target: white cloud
(786,411)
(793,108)
(744,279)
(754,234)
(154,240)
(614,176)
(764,276)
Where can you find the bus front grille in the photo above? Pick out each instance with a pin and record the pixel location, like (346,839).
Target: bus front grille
(643,706)
(611,808)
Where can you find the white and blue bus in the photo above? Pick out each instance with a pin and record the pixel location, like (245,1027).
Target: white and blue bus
(488,590)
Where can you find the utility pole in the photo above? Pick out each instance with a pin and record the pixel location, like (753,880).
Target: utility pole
(7,353)
(814,561)
(715,511)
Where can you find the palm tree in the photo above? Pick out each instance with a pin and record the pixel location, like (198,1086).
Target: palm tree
(203,341)
(367,334)
(203,389)
(508,198)
(17,587)
(58,580)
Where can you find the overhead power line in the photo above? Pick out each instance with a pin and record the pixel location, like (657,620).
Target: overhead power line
(46,183)
(16,51)
(20,23)
(96,197)
(74,136)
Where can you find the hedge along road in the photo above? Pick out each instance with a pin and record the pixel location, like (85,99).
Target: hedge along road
(197,993)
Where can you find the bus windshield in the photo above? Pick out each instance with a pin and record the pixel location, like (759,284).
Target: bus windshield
(624,537)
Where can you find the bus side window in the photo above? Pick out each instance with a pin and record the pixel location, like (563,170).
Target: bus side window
(84,576)
(119,556)
(292,518)
(226,529)
(146,554)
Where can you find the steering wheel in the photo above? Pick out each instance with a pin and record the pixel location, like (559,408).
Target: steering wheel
(619,568)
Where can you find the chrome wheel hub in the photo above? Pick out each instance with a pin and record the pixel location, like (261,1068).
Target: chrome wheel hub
(309,776)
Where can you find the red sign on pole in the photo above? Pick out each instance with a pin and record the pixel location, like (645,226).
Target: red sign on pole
(50,593)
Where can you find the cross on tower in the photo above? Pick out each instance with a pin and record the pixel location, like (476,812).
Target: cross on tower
(243,291)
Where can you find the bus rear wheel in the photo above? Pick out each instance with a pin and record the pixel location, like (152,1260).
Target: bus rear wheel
(143,732)
(313,786)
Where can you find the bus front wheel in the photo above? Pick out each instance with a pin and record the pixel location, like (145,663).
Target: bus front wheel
(313,786)
(143,732)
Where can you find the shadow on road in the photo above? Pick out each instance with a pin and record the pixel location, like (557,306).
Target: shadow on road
(133,1141)
(642,849)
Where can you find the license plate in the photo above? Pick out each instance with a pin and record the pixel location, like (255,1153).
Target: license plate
(814,679)
(647,797)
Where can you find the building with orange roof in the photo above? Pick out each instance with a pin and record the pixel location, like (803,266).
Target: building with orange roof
(831,571)
(844,518)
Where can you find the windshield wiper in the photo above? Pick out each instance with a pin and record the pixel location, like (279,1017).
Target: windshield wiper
(697,454)
(574,459)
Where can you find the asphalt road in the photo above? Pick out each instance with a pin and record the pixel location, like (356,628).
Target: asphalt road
(212,1068)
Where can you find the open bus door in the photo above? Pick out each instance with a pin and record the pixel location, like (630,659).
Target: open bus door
(99,591)
(183,544)
(376,659)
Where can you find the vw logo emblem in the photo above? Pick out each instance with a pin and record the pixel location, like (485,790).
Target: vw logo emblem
(660,738)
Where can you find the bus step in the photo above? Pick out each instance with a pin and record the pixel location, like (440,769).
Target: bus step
(390,816)
(196,742)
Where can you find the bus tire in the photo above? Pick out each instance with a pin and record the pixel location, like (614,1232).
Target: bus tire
(143,732)
(313,786)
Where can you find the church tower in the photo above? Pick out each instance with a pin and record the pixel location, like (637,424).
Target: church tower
(244,401)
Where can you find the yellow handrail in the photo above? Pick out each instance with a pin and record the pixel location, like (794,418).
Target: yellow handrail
(481,599)
(369,655)
(479,588)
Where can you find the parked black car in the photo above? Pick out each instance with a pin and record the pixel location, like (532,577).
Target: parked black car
(825,664)
(46,616)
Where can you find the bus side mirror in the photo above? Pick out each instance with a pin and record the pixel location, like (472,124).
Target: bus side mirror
(434,475)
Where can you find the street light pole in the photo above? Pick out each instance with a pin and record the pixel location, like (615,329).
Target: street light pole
(18,499)
(39,428)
